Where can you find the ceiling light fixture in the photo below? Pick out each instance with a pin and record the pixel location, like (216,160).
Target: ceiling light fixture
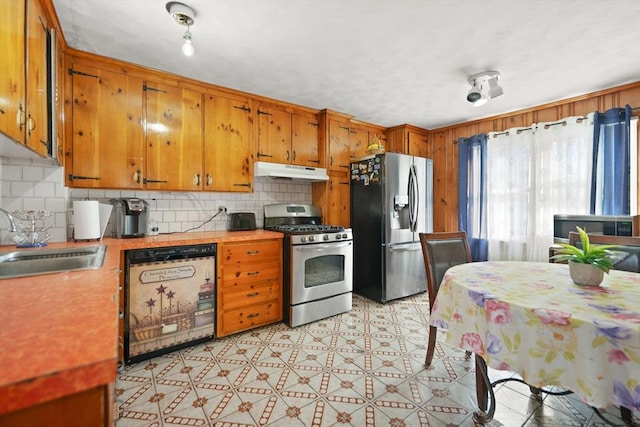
(484,86)
(183,15)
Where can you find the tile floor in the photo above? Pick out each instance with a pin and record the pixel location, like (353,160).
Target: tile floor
(362,368)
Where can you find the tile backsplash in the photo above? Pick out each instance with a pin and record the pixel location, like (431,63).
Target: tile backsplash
(31,184)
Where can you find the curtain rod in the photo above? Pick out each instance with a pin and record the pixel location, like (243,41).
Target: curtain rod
(547,126)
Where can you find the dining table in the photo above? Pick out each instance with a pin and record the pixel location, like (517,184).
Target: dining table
(529,318)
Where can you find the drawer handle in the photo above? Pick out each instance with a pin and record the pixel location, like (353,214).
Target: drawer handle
(255,294)
(251,316)
(253,273)
(253,252)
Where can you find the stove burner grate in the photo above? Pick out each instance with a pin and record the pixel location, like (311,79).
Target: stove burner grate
(307,228)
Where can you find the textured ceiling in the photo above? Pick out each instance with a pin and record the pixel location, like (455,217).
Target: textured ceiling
(384,62)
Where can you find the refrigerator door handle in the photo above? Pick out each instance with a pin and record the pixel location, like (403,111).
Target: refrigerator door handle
(410,192)
(414,198)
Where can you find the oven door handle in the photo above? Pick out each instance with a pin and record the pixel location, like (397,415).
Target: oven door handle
(323,247)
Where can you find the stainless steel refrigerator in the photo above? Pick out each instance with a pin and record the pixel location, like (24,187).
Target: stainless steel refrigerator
(391,202)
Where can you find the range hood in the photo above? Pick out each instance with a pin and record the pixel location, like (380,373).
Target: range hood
(279,170)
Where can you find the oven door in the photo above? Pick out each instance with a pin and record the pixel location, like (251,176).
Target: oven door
(321,270)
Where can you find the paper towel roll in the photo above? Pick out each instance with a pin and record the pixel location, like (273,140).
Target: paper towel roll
(86,219)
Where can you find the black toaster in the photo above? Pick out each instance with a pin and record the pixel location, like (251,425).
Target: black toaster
(241,221)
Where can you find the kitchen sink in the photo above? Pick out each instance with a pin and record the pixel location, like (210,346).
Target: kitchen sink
(43,261)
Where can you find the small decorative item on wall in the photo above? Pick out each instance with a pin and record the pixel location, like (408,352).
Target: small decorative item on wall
(587,264)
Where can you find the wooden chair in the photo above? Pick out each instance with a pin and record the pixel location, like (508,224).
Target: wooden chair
(628,257)
(441,251)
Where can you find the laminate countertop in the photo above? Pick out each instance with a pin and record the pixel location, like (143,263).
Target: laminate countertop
(59,332)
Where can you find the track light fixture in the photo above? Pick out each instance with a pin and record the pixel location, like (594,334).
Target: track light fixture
(183,15)
(484,86)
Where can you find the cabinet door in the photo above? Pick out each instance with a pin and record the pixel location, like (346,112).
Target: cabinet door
(338,146)
(274,135)
(337,211)
(173,138)
(107,141)
(418,145)
(358,143)
(12,69)
(227,144)
(37,92)
(304,140)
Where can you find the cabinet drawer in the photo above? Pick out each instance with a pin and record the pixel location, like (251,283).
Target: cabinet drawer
(250,294)
(247,274)
(249,317)
(241,253)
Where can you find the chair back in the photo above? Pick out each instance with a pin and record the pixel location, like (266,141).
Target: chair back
(442,251)
(627,252)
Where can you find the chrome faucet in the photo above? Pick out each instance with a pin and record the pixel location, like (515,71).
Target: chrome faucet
(11,220)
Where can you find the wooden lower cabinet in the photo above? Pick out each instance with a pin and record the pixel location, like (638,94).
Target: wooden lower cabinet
(249,285)
(90,408)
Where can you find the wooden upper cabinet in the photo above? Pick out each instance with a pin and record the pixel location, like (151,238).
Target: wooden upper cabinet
(419,144)
(339,153)
(106,149)
(358,142)
(409,139)
(38,126)
(304,140)
(173,118)
(24,94)
(274,134)
(227,144)
(12,70)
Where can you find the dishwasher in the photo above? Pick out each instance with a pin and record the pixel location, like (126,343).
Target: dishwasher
(169,299)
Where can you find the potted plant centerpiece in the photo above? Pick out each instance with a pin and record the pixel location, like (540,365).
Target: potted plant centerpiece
(588,264)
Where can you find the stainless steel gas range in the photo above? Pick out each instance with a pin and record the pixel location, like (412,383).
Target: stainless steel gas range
(318,263)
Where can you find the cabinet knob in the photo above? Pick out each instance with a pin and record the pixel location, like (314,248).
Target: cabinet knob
(253,273)
(254,294)
(253,315)
(209,179)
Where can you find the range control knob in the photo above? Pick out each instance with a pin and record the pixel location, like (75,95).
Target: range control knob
(344,235)
(325,237)
(338,236)
(312,238)
(303,239)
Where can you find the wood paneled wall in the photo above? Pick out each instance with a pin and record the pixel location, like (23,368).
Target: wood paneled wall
(445,148)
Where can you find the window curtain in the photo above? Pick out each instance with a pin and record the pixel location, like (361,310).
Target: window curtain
(610,186)
(534,173)
(472,184)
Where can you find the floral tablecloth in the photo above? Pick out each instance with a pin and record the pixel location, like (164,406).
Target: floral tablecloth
(531,319)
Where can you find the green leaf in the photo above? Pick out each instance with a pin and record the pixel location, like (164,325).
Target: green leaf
(584,386)
(536,353)
(598,341)
(550,356)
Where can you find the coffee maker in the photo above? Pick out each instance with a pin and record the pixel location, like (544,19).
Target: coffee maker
(129,217)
